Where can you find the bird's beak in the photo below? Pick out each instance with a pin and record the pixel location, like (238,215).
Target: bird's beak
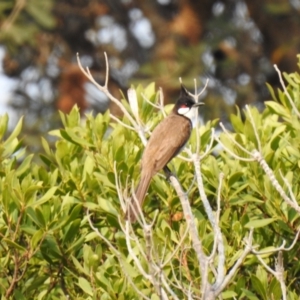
(198,104)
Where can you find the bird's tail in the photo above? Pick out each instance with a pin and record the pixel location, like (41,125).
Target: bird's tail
(135,205)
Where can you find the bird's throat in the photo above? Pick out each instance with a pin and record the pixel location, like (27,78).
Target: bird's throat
(192,115)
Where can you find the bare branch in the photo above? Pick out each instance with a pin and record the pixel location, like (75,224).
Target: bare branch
(106,71)
(233,140)
(209,147)
(232,153)
(118,188)
(183,157)
(197,245)
(120,122)
(166,285)
(289,188)
(118,255)
(133,255)
(238,263)
(280,248)
(218,240)
(278,273)
(176,248)
(274,181)
(286,92)
(149,102)
(105,90)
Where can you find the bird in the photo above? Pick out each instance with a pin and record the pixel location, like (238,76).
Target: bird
(166,141)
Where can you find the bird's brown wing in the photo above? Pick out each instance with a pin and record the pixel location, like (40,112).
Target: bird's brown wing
(166,141)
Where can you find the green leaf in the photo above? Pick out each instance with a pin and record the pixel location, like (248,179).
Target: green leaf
(36,238)
(104,180)
(45,160)
(278,109)
(149,90)
(85,286)
(40,217)
(73,118)
(15,132)
(258,287)
(105,204)
(42,294)
(13,244)
(18,295)
(45,146)
(11,148)
(77,245)
(249,295)
(289,79)
(89,165)
(234,178)
(237,123)
(90,236)
(24,165)
(271,91)
(3,125)
(31,213)
(49,194)
(274,289)
(78,266)
(70,135)
(75,213)
(72,231)
(259,223)
(229,295)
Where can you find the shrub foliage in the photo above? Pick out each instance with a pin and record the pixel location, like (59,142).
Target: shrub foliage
(49,250)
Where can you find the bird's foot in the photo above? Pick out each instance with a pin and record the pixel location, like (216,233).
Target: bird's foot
(168,173)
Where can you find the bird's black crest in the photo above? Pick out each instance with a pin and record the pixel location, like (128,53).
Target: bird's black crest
(183,91)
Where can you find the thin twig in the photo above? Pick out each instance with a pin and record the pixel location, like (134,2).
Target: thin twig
(161,102)
(238,263)
(118,188)
(286,92)
(120,122)
(177,247)
(105,90)
(133,255)
(232,153)
(197,245)
(218,240)
(278,272)
(118,255)
(258,156)
(289,187)
(233,140)
(209,147)
(280,248)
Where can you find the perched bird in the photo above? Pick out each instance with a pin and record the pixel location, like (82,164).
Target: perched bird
(166,141)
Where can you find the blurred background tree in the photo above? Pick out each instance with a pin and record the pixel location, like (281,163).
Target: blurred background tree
(234,43)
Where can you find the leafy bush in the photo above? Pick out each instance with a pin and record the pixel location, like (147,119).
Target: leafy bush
(62,226)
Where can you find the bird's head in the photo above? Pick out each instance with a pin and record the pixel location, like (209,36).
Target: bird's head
(185,104)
